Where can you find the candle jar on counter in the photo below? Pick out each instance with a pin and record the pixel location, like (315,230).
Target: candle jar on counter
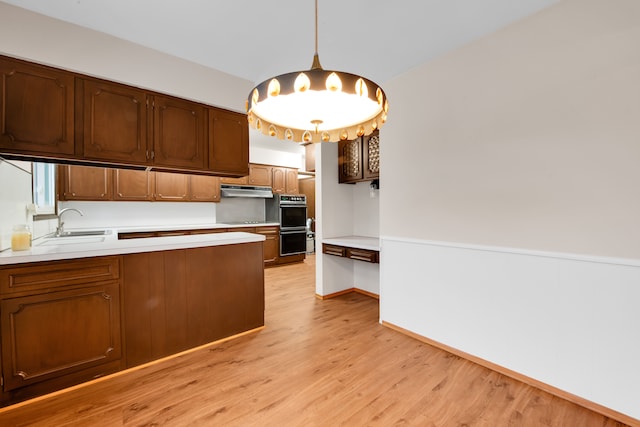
(21,238)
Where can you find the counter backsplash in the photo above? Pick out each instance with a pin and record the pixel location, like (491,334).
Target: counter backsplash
(233,210)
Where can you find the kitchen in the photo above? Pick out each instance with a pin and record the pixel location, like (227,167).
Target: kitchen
(468,201)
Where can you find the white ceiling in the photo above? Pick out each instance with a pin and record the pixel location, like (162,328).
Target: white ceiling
(256,39)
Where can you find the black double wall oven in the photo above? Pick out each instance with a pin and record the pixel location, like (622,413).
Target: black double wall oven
(290,211)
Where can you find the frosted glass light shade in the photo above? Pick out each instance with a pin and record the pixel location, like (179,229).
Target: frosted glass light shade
(317,106)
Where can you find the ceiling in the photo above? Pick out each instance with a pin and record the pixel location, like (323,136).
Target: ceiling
(257,39)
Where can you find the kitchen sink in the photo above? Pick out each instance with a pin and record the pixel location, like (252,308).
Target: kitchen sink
(56,241)
(79,233)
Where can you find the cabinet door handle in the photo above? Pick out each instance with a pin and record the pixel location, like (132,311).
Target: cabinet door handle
(333,250)
(361,258)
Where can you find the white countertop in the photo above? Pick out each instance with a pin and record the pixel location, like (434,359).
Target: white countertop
(360,242)
(61,248)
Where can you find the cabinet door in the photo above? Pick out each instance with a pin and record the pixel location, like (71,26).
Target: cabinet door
(279,183)
(291,181)
(271,247)
(179,133)
(133,185)
(171,187)
(55,334)
(203,188)
(114,122)
(350,160)
(243,180)
(371,155)
(86,183)
(260,175)
(310,157)
(228,142)
(36,109)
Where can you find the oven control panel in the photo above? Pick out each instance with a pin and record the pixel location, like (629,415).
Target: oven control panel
(298,199)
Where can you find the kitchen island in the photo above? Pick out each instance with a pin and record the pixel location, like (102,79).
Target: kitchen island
(76,308)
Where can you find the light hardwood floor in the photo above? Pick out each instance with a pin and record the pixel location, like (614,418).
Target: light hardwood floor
(317,363)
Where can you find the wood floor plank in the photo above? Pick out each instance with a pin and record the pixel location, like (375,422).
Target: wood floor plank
(316,363)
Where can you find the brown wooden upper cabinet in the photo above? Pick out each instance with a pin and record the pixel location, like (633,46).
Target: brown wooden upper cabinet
(260,175)
(85,183)
(96,183)
(123,124)
(204,188)
(228,142)
(48,113)
(359,159)
(291,181)
(132,185)
(310,157)
(279,184)
(282,180)
(179,136)
(171,187)
(36,109)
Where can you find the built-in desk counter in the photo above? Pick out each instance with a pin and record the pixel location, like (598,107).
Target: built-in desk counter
(354,247)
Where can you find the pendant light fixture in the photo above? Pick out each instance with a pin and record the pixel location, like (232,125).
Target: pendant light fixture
(317,105)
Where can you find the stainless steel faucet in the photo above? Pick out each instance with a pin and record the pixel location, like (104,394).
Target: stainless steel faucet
(60,228)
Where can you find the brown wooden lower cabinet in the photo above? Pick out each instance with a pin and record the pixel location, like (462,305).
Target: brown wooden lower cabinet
(208,294)
(271,244)
(69,321)
(60,324)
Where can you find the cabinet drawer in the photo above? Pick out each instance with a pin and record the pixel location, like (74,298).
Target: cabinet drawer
(209,231)
(44,276)
(268,231)
(362,255)
(137,235)
(170,233)
(334,250)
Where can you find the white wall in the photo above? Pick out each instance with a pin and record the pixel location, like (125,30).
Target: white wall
(524,140)
(342,210)
(568,321)
(366,210)
(15,196)
(31,36)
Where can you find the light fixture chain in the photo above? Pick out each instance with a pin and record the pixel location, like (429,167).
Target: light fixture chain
(316,52)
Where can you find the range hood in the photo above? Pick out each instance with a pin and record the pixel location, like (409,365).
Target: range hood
(228,190)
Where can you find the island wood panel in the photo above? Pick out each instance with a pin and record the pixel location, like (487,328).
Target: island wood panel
(174,300)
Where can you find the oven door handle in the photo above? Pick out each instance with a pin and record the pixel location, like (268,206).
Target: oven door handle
(293,231)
